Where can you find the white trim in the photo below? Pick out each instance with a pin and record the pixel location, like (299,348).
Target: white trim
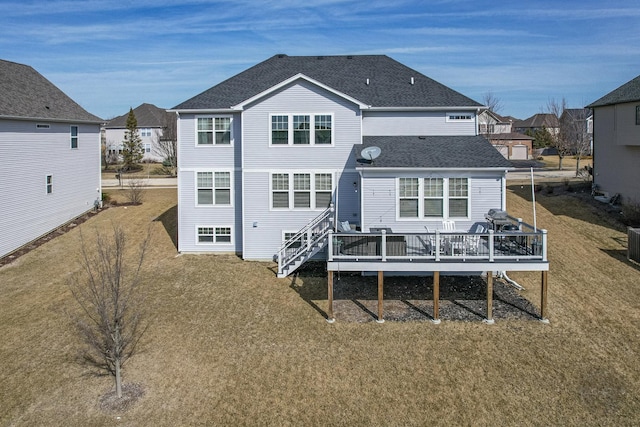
(214,243)
(77,137)
(291,190)
(445,200)
(292,79)
(213,172)
(214,117)
(291,130)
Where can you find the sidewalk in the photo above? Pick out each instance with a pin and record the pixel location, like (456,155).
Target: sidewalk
(147,183)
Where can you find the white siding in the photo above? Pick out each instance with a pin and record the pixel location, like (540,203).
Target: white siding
(413,123)
(28,156)
(380,200)
(115,137)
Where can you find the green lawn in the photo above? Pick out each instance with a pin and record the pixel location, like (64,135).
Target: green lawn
(230,344)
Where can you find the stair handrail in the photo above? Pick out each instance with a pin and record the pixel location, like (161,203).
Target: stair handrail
(283,259)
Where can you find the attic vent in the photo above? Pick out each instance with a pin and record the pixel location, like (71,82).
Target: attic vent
(349,56)
(320,57)
(42,126)
(281,55)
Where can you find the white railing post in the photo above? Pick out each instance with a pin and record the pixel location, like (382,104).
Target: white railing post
(491,251)
(309,234)
(544,245)
(330,246)
(437,245)
(519,224)
(383,242)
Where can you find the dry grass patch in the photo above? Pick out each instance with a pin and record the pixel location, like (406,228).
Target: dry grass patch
(231,344)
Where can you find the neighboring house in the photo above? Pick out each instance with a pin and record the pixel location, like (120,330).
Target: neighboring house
(538,122)
(50,151)
(151,124)
(276,159)
(490,123)
(498,130)
(616,142)
(513,145)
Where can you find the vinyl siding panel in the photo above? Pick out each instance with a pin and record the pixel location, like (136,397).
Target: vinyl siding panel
(115,137)
(28,156)
(300,98)
(412,123)
(380,201)
(615,161)
(193,158)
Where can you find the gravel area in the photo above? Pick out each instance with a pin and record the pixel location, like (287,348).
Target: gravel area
(462,298)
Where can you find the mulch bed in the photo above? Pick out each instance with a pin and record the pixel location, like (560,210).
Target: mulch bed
(49,236)
(462,298)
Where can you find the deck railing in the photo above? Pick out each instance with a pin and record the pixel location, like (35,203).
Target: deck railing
(512,245)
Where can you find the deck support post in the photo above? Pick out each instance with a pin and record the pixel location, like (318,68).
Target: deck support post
(436,297)
(489,320)
(330,317)
(543,297)
(380,296)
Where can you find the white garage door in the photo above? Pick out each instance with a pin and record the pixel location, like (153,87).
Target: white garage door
(519,152)
(503,149)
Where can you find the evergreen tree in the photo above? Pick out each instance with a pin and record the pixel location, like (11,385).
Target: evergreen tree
(132,150)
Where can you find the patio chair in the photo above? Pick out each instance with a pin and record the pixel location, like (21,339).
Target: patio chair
(448,225)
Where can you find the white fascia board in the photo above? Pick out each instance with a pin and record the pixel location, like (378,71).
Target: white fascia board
(205,111)
(458,108)
(398,169)
(291,80)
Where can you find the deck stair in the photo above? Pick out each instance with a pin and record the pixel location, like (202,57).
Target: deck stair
(306,243)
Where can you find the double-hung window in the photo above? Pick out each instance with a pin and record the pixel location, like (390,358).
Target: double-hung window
(49,186)
(458,197)
(214,131)
(74,136)
(301,129)
(214,188)
(424,198)
(409,197)
(145,131)
(301,190)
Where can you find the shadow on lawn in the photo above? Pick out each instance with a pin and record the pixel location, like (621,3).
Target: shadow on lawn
(573,201)
(409,298)
(169,220)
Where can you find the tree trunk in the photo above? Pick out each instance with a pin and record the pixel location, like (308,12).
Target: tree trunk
(577,165)
(560,162)
(118,380)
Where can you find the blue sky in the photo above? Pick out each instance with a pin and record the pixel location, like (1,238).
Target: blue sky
(112,55)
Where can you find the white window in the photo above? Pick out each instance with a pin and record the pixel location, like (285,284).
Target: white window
(145,132)
(214,130)
(301,190)
(214,234)
(433,198)
(74,136)
(460,117)
(301,129)
(49,184)
(147,148)
(214,188)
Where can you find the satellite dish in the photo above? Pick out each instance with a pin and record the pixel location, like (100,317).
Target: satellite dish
(371,153)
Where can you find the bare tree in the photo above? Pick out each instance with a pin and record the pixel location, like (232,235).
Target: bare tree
(559,138)
(166,143)
(135,190)
(574,126)
(493,102)
(108,291)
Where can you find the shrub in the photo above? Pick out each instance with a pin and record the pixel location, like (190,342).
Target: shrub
(631,213)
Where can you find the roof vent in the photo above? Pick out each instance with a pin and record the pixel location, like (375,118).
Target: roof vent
(320,57)
(367,82)
(281,55)
(349,56)
(412,80)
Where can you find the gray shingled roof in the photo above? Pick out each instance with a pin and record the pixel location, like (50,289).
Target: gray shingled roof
(628,92)
(147,115)
(432,152)
(26,94)
(389,82)
(537,121)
